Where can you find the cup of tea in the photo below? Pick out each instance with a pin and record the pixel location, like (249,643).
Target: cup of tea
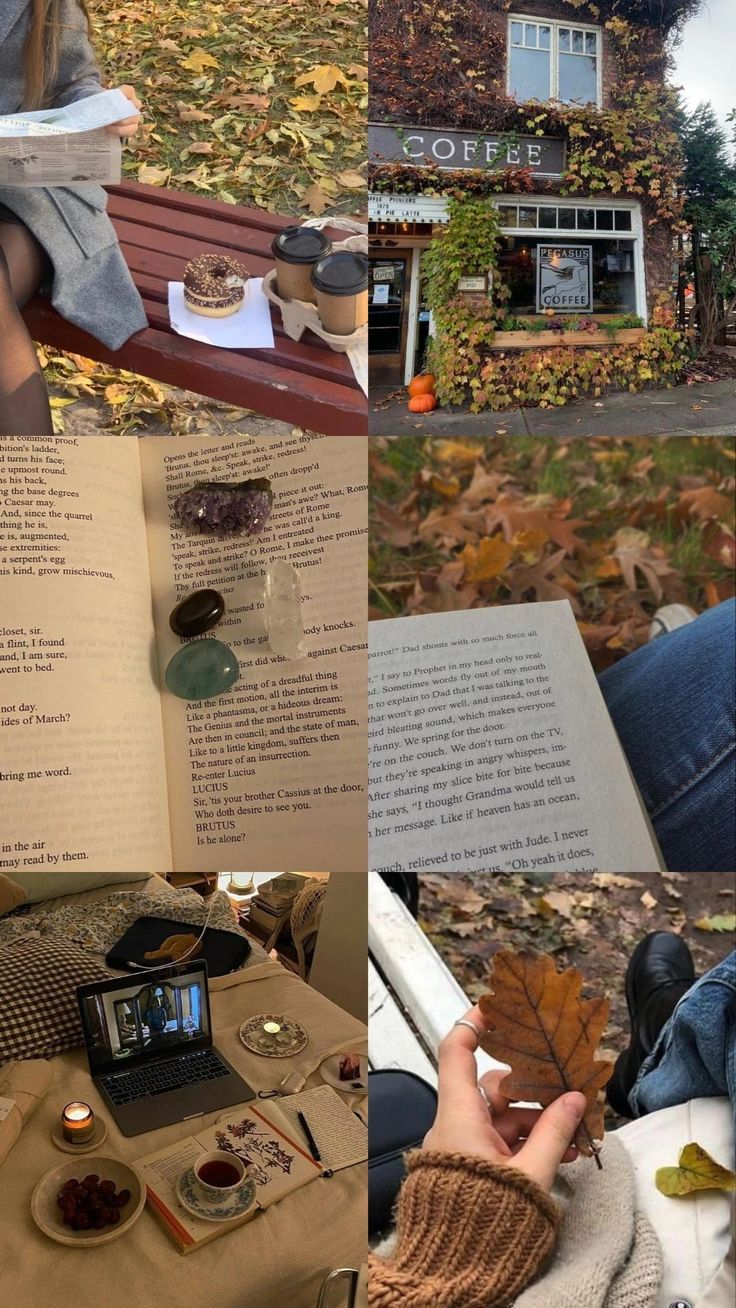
(219,1174)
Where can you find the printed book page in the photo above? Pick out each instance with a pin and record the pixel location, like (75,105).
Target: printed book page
(82,774)
(340,1136)
(491,749)
(273,773)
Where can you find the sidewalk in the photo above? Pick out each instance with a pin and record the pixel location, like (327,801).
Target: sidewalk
(708,408)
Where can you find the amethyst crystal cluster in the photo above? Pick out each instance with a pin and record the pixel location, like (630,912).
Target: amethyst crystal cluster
(223,508)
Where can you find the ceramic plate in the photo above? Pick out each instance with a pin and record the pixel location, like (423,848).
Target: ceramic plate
(330,1072)
(291,1039)
(47,1214)
(199,1205)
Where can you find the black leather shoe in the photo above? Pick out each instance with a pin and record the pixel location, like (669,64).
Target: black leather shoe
(660,972)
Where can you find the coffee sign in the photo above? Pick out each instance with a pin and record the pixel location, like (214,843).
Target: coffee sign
(565,278)
(424,147)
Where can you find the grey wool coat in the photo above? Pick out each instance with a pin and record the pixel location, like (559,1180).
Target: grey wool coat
(91,284)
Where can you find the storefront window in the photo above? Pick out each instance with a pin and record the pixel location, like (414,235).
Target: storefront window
(612,264)
(387,288)
(551,61)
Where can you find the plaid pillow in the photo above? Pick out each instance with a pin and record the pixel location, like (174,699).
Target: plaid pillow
(39,1015)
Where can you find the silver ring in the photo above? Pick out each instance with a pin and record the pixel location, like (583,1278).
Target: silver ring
(465,1021)
(485,1099)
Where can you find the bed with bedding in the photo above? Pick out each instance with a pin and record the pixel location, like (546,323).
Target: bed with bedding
(278,1260)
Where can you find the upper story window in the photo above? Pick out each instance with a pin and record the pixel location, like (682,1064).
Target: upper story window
(551,60)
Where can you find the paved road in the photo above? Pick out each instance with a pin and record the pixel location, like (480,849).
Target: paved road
(707,408)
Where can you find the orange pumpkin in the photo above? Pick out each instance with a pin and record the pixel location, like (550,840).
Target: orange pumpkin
(422,385)
(422,403)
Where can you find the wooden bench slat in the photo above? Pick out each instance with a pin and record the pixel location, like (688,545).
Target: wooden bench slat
(286,354)
(414,970)
(187,202)
(391,1041)
(303,382)
(309,350)
(207,227)
(237,379)
(170,254)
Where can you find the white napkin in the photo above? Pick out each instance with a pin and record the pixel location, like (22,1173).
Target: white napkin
(248,329)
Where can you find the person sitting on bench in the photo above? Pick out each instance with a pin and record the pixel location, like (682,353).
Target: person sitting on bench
(475,1220)
(59,240)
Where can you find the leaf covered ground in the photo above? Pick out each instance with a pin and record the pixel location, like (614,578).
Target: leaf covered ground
(254,102)
(592,923)
(616,525)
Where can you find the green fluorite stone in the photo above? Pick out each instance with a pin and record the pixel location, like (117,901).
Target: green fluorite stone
(201,670)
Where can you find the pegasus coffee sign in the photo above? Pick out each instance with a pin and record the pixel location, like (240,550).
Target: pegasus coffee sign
(564,278)
(426,148)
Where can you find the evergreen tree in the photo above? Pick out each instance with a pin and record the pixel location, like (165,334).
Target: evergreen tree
(710,208)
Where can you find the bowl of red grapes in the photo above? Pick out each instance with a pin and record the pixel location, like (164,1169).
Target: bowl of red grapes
(88,1202)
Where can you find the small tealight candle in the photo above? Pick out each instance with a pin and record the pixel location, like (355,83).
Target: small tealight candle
(78,1123)
(271,1028)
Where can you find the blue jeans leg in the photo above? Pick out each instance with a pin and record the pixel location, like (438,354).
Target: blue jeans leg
(673,704)
(695,1055)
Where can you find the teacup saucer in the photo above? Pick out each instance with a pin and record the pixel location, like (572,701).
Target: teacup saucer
(211,1210)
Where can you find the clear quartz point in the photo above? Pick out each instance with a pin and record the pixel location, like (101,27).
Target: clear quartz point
(283,601)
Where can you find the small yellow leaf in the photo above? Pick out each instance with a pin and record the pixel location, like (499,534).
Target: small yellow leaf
(153,176)
(648,901)
(720,922)
(324,78)
(306,103)
(488,560)
(457,452)
(315,199)
(198,60)
(352,181)
(530,544)
(695,1170)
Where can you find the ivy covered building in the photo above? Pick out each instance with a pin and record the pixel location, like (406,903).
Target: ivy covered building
(550,124)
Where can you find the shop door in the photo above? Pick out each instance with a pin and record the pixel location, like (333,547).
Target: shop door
(387,315)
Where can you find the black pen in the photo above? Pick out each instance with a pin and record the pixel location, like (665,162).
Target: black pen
(310,1138)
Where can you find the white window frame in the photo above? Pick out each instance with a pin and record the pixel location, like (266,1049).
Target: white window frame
(579,236)
(554,53)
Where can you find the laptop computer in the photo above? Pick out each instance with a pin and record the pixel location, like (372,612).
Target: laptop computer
(150,1051)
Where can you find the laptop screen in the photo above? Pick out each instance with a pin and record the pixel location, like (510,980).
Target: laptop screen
(131,1020)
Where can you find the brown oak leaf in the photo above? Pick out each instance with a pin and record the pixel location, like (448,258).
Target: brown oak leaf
(536,577)
(542,1027)
(491,557)
(633,552)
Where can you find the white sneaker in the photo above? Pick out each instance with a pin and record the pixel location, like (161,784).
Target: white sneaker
(669,617)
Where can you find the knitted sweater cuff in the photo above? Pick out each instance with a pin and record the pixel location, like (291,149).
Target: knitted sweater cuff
(470,1235)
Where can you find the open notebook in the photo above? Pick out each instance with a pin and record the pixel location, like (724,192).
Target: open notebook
(271,1142)
(491,749)
(101,767)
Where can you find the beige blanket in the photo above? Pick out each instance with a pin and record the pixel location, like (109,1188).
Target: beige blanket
(277,1261)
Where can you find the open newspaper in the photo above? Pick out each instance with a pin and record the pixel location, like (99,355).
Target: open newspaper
(66,146)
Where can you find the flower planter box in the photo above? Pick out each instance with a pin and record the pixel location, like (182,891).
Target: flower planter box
(543,340)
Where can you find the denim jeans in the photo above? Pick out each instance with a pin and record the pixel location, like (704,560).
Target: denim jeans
(695,1053)
(673,704)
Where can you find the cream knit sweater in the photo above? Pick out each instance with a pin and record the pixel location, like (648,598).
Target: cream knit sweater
(473,1235)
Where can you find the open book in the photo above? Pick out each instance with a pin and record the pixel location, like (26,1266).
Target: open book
(491,749)
(101,765)
(277,1162)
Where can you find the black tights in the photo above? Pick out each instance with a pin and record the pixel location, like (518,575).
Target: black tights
(24,401)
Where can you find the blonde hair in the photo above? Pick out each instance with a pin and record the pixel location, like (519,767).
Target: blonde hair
(42,52)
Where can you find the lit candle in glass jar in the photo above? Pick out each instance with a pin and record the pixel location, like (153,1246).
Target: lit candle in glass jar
(78,1123)
(271,1028)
